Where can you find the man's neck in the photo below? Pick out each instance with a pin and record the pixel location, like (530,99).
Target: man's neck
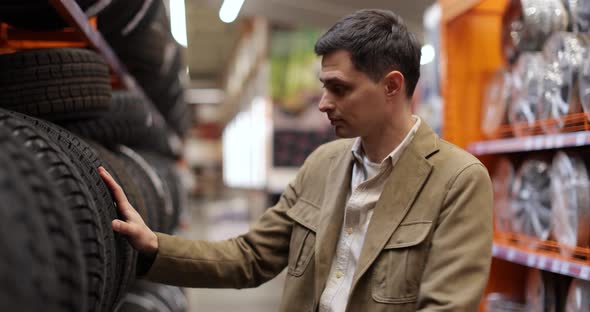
(377,146)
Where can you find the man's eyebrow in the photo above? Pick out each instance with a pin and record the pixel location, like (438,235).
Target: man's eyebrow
(332,80)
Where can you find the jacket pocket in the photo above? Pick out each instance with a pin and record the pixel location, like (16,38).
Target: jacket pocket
(398,269)
(302,245)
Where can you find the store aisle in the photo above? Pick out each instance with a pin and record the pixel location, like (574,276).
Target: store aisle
(218,220)
(265,298)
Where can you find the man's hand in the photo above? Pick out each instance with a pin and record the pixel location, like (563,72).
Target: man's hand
(137,232)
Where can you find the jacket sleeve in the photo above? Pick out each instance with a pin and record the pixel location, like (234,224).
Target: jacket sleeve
(246,261)
(459,259)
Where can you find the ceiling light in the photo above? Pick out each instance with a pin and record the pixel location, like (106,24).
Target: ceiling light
(428,54)
(178,21)
(229,10)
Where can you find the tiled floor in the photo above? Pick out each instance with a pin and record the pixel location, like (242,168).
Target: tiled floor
(223,219)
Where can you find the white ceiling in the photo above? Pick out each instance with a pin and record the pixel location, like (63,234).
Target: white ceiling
(211,41)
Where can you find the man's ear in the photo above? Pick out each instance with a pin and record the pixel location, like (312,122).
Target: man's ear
(394,83)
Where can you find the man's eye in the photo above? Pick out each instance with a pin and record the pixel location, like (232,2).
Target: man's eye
(339,90)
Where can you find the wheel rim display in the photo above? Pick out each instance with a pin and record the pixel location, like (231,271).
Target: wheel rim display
(537,20)
(540,293)
(502,181)
(526,91)
(496,302)
(570,201)
(584,83)
(496,101)
(531,203)
(564,54)
(578,298)
(579,14)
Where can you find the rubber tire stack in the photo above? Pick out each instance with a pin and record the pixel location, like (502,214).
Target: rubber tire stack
(151,297)
(59,250)
(55,84)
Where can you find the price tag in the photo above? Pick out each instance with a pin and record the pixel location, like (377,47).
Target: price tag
(559,141)
(549,141)
(511,254)
(580,139)
(542,262)
(477,148)
(584,273)
(539,143)
(555,266)
(565,268)
(530,260)
(528,144)
(495,147)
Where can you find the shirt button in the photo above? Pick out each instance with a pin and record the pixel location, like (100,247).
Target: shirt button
(339,274)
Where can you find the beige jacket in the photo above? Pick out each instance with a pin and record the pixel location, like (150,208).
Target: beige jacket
(428,246)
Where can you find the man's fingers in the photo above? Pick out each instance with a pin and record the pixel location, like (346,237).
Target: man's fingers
(123,227)
(116,190)
(129,212)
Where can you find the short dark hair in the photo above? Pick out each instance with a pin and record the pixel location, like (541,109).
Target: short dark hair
(378,41)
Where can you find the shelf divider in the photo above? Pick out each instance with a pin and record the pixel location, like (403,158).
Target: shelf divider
(545,262)
(530,143)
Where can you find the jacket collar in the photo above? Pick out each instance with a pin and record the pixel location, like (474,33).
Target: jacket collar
(358,153)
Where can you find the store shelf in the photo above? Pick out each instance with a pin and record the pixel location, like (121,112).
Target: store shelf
(531,143)
(542,262)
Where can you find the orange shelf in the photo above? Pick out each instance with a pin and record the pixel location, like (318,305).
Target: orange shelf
(471,54)
(543,256)
(530,143)
(454,8)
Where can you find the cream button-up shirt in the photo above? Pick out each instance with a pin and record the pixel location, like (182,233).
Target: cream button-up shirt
(367,183)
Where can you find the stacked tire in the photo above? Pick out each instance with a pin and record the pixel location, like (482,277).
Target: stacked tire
(151,297)
(60,121)
(145,44)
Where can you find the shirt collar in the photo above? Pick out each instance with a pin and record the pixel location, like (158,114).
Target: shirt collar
(357,147)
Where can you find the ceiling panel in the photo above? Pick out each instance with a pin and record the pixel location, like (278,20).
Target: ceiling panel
(211,41)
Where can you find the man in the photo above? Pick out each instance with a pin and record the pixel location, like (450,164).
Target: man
(391,218)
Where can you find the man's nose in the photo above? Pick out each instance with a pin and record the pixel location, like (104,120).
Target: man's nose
(325,104)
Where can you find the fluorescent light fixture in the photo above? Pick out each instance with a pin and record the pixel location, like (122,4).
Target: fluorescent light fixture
(204,96)
(428,54)
(229,10)
(178,21)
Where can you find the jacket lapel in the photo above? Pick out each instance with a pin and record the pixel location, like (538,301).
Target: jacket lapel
(407,178)
(332,215)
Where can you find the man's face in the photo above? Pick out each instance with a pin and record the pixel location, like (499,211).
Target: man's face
(355,105)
